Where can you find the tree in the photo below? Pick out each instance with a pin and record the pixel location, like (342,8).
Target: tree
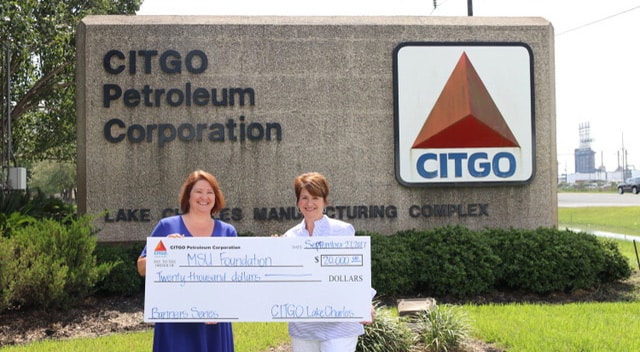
(41,37)
(55,178)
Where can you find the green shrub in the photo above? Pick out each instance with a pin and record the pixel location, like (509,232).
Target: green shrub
(391,266)
(413,242)
(15,220)
(123,279)
(443,328)
(387,333)
(49,264)
(461,263)
(579,258)
(36,205)
(616,267)
(14,201)
(7,250)
(450,261)
(546,260)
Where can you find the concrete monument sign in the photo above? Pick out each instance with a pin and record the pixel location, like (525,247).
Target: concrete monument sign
(417,122)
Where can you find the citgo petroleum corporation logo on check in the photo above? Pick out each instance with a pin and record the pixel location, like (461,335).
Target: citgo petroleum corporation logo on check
(464,113)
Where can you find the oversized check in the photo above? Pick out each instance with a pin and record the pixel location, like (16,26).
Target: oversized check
(259,279)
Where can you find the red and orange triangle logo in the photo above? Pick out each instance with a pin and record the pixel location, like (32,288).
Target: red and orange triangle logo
(160,247)
(465,115)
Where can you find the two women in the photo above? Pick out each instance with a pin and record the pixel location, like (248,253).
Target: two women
(200,199)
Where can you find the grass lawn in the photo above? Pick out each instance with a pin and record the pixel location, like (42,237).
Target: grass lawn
(622,220)
(579,327)
(249,337)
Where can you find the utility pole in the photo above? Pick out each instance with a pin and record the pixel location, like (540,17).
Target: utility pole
(9,138)
(625,166)
(14,178)
(6,117)
(469,6)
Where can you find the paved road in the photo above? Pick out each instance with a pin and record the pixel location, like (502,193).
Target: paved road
(571,200)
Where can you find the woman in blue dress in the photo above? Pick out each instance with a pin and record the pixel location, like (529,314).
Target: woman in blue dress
(200,198)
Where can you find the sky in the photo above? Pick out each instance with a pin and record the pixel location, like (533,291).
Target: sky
(597,67)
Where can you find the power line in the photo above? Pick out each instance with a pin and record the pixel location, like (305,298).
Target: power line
(599,20)
(436,3)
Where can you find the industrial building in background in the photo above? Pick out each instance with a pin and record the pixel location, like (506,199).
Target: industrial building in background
(587,174)
(584,156)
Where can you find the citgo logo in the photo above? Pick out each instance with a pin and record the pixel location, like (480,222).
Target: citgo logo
(160,250)
(464,113)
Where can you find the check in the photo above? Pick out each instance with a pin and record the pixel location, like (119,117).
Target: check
(259,279)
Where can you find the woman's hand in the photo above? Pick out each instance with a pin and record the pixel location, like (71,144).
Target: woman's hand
(373,316)
(142,266)
(142,261)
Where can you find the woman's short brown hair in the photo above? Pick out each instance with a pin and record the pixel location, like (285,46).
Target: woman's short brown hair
(187,186)
(316,184)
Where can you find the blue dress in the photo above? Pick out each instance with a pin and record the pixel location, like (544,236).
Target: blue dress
(191,337)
